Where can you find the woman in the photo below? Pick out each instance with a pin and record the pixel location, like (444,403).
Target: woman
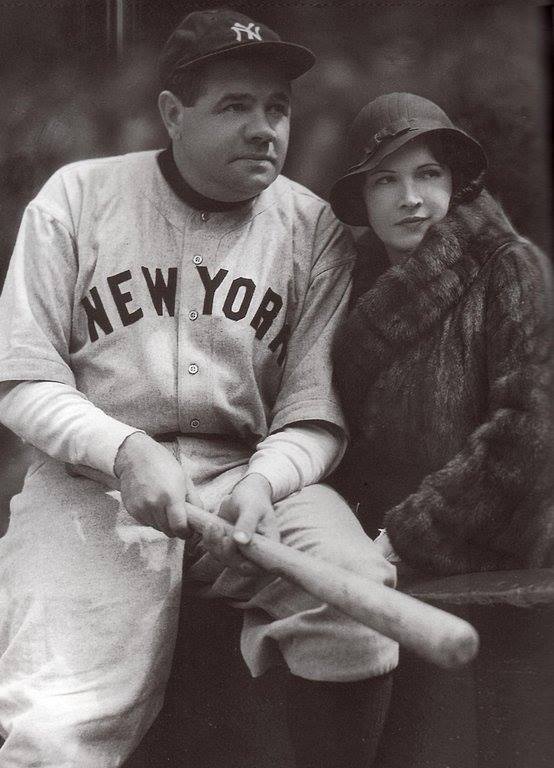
(444,362)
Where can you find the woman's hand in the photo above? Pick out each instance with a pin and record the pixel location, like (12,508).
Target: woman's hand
(154,486)
(250,508)
(383,543)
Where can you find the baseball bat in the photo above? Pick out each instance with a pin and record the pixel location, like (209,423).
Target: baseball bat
(433,634)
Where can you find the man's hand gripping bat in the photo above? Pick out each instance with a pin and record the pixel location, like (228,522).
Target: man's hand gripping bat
(433,634)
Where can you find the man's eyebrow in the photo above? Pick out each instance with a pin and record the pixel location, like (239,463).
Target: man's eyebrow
(245,96)
(234,96)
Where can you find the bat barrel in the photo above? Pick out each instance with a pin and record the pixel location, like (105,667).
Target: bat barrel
(432,633)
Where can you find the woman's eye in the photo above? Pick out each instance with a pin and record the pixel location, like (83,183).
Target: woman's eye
(279,109)
(383,180)
(235,107)
(431,173)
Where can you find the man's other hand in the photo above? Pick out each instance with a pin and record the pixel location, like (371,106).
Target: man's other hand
(154,486)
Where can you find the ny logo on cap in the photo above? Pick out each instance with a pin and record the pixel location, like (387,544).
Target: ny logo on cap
(252,32)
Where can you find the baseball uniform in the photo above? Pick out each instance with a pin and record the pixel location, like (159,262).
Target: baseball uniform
(211,331)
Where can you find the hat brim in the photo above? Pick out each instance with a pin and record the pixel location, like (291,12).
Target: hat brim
(292,59)
(346,196)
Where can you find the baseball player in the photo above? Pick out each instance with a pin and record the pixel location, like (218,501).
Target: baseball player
(166,321)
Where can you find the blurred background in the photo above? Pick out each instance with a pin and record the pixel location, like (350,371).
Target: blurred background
(78,80)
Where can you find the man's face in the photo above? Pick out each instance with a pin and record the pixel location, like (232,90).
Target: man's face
(233,140)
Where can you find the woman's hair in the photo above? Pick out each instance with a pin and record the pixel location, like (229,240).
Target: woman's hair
(465,184)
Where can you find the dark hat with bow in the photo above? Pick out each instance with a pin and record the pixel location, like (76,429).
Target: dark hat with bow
(386,124)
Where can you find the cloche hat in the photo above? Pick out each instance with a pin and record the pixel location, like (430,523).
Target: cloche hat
(386,124)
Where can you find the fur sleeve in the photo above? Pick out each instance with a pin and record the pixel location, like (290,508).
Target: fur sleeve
(491,506)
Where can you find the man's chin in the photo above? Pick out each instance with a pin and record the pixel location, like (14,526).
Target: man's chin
(244,186)
(255,183)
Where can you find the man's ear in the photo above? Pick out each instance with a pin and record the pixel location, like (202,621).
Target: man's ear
(172,112)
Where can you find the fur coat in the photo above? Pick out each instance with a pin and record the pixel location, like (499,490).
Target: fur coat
(444,369)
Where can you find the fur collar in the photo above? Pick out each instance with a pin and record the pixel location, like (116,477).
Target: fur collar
(408,300)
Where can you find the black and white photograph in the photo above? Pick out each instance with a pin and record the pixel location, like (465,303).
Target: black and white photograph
(276,384)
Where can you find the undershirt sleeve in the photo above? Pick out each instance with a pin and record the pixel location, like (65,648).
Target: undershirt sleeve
(298,455)
(58,419)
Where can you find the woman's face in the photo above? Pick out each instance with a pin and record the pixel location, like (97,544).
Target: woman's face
(405,194)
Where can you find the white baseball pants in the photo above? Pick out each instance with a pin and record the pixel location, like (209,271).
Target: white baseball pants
(89,602)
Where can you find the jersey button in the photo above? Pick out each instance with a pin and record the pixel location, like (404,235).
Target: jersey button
(193,315)
(205,216)
(194,423)
(193,368)
(197,259)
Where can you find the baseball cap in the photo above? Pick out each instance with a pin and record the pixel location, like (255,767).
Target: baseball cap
(205,35)
(386,124)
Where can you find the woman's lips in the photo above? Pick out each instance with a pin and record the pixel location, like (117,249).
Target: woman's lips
(412,221)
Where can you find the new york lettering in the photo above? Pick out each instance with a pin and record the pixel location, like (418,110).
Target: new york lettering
(235,296)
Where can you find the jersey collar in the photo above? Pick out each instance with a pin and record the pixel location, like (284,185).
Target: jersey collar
(185,192)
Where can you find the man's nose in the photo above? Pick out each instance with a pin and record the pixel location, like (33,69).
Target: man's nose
(260,128)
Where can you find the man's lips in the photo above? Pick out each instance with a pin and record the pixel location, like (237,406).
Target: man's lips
(258,158)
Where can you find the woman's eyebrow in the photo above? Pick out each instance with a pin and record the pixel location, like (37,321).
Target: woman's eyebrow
(281,95)
(385,170)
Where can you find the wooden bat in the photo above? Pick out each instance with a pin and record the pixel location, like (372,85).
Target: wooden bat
(433,634)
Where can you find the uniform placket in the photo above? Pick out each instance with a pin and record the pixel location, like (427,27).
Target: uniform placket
(193,376)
